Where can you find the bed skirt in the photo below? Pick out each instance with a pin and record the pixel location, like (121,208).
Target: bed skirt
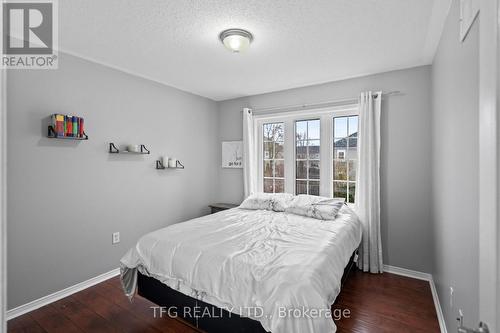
(202,315)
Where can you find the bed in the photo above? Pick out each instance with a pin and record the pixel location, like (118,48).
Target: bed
(246,270)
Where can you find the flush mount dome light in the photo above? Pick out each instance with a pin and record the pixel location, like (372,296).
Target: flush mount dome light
(236,40)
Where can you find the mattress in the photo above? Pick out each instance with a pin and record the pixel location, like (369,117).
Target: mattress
(281,269)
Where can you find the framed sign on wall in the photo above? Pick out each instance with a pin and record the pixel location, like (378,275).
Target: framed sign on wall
(232,154)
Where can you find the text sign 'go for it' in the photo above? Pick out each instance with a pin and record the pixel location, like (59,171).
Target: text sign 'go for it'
(29,34)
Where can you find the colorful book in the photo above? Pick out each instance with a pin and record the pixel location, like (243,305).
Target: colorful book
(75,126)
(59,125)
(69,126)
(80,128)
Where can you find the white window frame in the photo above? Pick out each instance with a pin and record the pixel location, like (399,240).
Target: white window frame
(326,116)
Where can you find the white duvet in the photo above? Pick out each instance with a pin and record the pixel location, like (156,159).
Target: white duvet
(278,268)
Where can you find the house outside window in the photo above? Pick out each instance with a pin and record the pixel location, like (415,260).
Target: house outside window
(307,156)
(345,145)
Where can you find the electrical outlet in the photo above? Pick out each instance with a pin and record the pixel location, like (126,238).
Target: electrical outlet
(116,238)
(451,297)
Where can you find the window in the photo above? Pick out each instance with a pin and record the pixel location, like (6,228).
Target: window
(308,152)
(273,159)
(345,145)
(307,156)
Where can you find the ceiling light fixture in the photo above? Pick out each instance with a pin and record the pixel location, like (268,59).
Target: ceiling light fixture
(236,40)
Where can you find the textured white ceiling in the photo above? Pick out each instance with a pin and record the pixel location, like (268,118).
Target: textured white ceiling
(297,43)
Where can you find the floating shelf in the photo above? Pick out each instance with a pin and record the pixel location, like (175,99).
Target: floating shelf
(51,134)
(114,150)
(160,166)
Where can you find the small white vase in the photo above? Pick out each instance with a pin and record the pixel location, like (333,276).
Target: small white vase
(172,162)
(134,148)
(164,161)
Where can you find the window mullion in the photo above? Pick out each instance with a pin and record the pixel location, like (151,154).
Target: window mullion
(307,162)
(326,149)
(260,152)
(289,156)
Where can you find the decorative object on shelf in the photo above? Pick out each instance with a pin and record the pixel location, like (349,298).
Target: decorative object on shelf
(131,149)
(172,162)
(232,154)
(134,148)
(168,163)
(66,127)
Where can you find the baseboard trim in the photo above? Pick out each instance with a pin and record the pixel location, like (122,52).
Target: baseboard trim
(439,311)
(407,272)
(426,277)
(38,303)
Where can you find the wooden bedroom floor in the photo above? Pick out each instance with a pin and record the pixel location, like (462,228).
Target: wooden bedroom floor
(377,303)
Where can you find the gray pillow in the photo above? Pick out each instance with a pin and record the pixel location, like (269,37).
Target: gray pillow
(320,208)
(269,201)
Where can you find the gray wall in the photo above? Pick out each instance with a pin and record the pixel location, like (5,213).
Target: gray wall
(65,198)
(406,155)
(455,78)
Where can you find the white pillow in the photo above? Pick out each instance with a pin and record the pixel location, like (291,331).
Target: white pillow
(320,208)
(269,201)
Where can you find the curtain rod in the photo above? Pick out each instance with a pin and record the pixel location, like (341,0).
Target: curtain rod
(336,102)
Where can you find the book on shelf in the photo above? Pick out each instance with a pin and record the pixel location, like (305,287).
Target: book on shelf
(75,126)
(65,133)
(60,125)
(80,126)
(67,126)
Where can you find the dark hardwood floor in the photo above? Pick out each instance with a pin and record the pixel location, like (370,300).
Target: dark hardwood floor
(377,303)
(386,303)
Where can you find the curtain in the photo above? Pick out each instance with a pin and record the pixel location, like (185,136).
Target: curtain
(249,154)
(367,197)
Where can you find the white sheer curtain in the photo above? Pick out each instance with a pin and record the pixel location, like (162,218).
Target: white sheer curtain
(249,154)
(368,182)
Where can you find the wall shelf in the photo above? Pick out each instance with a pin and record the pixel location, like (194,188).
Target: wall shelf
(51,134)
(160,166)
(114,150)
